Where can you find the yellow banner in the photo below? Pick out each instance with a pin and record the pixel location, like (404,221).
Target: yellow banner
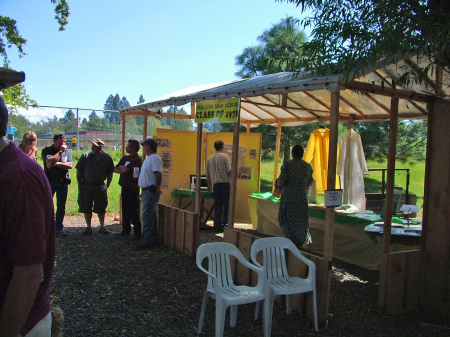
(222,111)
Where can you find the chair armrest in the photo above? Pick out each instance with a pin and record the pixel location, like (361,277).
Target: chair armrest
(311,265)
(258,269)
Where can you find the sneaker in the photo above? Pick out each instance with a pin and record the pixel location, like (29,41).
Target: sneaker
(61,234)
(103,230)
(144,245)
(87,231)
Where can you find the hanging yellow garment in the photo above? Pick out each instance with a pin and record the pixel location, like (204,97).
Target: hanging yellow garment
(317,152)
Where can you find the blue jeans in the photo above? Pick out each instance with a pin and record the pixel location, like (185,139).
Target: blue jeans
(149,202)
(221,202)
(61,198)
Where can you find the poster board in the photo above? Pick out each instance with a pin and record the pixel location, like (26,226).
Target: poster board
(249,167)
(177,149)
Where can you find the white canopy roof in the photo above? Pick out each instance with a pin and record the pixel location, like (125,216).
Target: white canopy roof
(297,99)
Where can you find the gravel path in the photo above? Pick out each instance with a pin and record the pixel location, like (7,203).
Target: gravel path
(106,288)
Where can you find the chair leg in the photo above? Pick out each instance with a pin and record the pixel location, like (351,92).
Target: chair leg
(316,327)
(220,317)
(202,313)
(268,311)
(289,304)
(233,315)
(258,304)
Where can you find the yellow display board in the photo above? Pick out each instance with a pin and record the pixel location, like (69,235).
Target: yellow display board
(178,149)
(178,152)
(219,111)
(249,167)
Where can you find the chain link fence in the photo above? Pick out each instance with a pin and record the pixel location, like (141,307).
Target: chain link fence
(80,126)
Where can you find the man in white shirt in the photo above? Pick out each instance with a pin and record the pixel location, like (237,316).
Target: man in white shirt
(150,183)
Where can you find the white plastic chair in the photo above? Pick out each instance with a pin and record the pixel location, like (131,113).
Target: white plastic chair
(278,282)
(220,283)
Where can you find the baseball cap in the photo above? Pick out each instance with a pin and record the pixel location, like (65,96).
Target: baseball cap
(98,142)
(150,142)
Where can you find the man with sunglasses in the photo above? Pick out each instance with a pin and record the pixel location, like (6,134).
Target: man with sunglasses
(57,163)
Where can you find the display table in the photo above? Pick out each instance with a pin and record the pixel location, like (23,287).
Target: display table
(350,244)
(205,213)
(398,235)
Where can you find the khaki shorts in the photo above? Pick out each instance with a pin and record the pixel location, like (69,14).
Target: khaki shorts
(92,195)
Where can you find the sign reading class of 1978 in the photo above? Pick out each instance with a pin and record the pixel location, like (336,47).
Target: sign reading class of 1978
(221,111)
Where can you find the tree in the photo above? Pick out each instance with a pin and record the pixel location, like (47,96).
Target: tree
(113,105)
(10,36)
(140,119)
(279,50)
(92,115)
(411,140)
(351,35)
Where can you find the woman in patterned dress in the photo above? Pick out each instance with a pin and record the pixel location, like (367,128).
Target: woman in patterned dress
(294,179)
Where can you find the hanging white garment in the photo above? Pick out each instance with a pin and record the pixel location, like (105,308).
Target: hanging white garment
(351,168)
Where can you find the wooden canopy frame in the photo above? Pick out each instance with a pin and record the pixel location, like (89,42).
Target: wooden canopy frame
(283,100)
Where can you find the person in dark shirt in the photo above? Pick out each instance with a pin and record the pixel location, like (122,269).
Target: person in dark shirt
(57,163)
(130,189)
(93,168)
(27,241)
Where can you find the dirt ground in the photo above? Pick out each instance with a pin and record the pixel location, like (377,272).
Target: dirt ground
(107,288)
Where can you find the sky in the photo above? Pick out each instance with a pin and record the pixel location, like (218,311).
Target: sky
(134,47)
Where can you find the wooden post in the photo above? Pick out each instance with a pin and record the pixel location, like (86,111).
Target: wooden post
(145,130)
(234,168)
(331,180)
(248,127)
(389,202)
(350,122)
(198,165)
(123,134)
(277,154)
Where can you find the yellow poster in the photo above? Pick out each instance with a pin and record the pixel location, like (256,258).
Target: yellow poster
(221,111)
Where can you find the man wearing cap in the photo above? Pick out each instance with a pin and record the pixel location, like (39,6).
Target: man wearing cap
(93,168)
(150,182)
(27,241)
(57,163)
(130,189)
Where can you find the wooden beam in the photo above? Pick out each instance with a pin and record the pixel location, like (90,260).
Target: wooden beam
(352,106)
(317,100)
(251,113)
(246,100)
(123,134)
(416,68)
(277,106)
(377,102)
(301,106)
(145,130)
(198,167)
(331,180)
(379,90)
(282,107)
(277,155)
(234,168)
(389,203)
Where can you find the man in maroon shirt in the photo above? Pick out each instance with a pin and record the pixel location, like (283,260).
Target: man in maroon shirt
(130,189)
(27,241)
